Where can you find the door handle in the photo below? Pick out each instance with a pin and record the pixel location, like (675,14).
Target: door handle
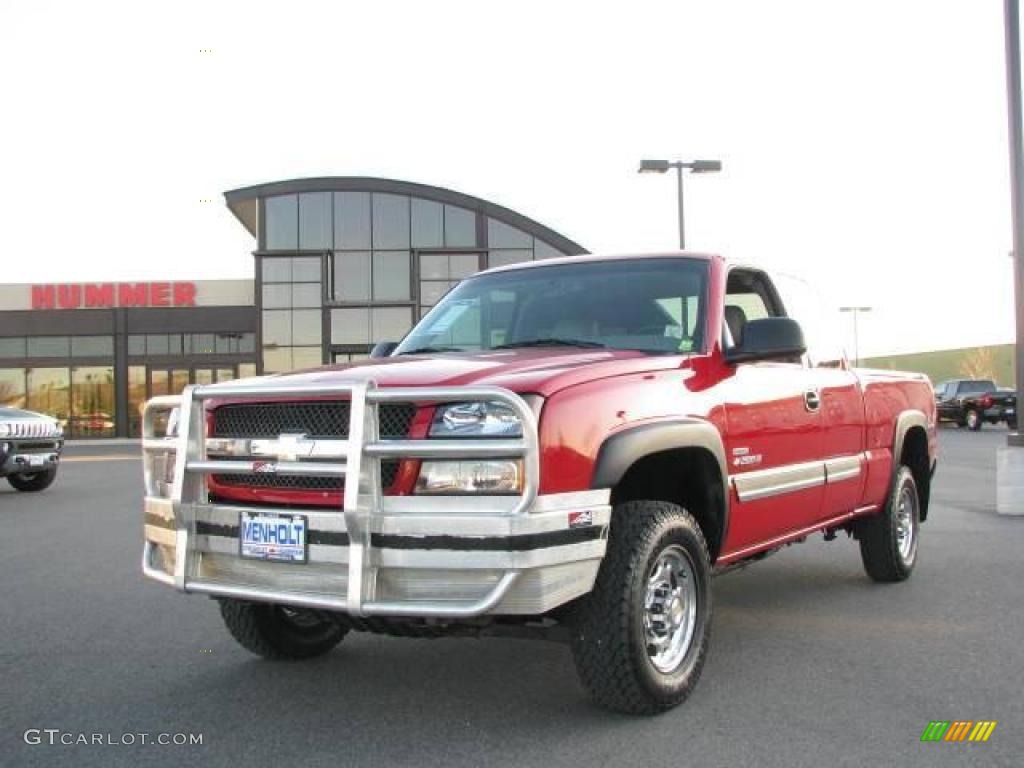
(812,400)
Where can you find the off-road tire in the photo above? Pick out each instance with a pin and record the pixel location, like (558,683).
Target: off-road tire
(267,630)
(607,626)
(36,481)
(974,419)
(879,534)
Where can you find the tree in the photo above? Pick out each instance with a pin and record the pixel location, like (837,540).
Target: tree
(979,363)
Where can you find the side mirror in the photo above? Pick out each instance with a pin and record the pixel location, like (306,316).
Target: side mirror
(771,338)
(383,348)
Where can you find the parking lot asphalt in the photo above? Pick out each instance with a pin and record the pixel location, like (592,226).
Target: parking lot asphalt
(810,663)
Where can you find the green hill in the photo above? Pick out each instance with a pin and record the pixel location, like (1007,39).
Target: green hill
(995,362)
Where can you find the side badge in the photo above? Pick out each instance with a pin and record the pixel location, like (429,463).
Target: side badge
(581,519)
(742,457)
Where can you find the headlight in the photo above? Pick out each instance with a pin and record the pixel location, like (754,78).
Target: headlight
(476,420)
(5,430)
(501,476)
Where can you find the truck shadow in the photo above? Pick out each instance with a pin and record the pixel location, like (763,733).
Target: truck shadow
(396,695)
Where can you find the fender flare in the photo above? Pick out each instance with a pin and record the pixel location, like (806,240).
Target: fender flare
(904,421)
(622,449)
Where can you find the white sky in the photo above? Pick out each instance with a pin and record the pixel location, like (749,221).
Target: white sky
(864,141)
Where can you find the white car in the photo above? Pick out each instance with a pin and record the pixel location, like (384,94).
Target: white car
(30,446)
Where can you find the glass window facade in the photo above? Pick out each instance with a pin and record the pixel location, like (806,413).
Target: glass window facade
(502,235)
(427,224)
(177,344)
(281,228)
(367,326)
(352,276)
(12,347)
(352,220)
(315,221)
(49,346)
(92,401)
(136,398)
(292,317)
(440,271)
(49,391)
(73,377)
(459,227)
(390,222)
(12,387)
(391,257)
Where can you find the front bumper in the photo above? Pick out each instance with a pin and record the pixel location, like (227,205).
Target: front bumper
(416,556)
(28,456)
(437,562)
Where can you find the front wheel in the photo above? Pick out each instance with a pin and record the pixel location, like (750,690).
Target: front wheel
(36,481)
(640,637)
(888,540)
(278,632)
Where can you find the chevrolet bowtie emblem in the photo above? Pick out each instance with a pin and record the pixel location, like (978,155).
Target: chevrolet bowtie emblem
(285,447)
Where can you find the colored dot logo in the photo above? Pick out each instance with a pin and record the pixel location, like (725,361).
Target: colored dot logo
(206,50)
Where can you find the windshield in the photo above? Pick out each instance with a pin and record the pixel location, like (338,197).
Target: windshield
(651,305)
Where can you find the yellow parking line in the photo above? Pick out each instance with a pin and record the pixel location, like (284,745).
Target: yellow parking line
(111,457)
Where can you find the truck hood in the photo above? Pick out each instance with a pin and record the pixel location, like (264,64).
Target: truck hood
(543,371)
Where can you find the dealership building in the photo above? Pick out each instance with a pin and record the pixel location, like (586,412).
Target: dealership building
(340,263)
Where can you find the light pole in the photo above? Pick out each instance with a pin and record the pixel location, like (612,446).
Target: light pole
(693,166)
(856,338)
(1011,28)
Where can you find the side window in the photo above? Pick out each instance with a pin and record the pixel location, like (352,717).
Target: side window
(748,296)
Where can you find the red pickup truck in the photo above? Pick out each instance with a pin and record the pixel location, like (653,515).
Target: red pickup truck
(571,447)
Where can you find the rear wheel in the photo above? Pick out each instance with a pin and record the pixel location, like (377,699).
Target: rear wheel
(279,632)
(640,637)
(888,540)
(974,420)
(36,481)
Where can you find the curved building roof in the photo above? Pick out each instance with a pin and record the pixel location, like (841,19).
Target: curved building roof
(244,202)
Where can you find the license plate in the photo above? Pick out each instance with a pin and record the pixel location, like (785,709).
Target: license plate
(273,537)
(36,461)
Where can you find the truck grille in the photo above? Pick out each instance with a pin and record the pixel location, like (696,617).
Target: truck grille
(388,474)
(47,446)
(314,419)
(326,419)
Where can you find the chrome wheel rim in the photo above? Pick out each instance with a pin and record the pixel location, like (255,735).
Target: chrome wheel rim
(906,530)
(670,609)
(972,419)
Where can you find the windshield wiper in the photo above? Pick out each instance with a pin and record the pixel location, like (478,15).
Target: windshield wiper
(549,342)
(429,350)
